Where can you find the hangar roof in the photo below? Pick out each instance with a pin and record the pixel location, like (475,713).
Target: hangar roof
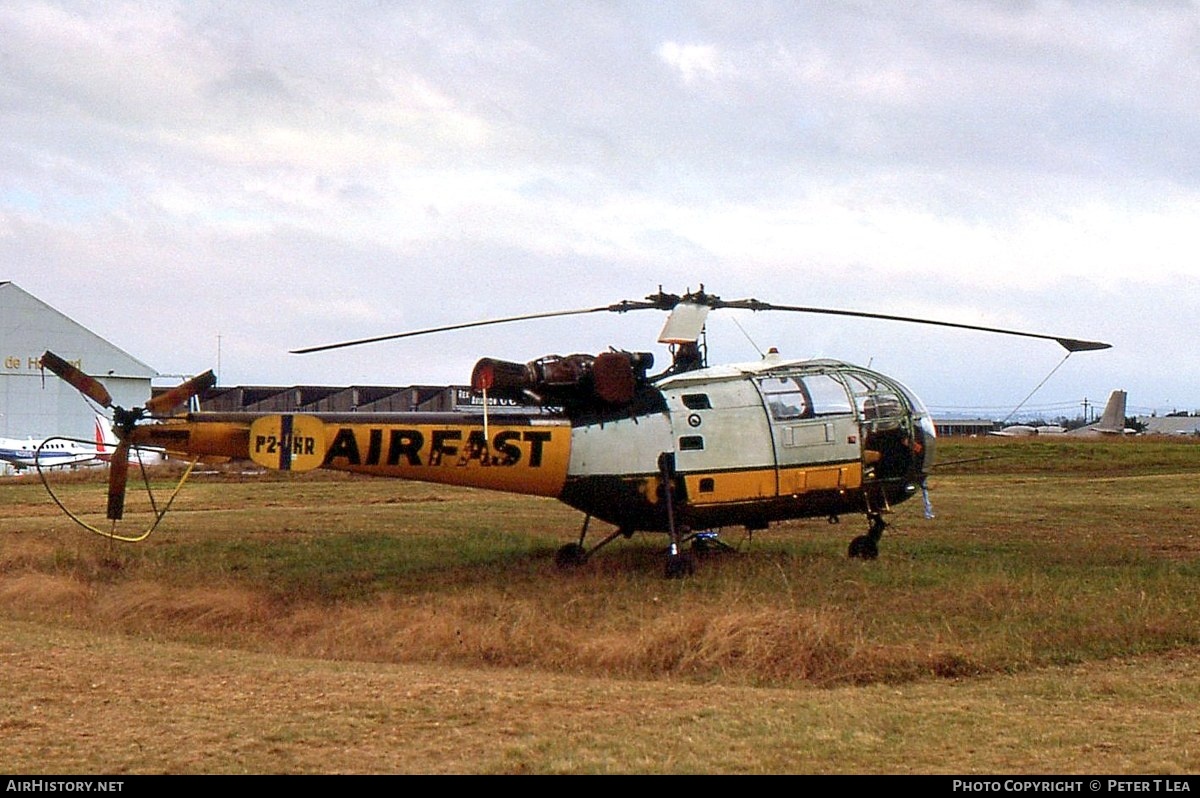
(28,327)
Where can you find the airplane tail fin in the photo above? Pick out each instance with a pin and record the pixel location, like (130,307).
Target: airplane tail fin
(106,439)
(1113,420)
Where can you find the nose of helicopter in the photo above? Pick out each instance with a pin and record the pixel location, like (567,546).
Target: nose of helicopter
(927,439)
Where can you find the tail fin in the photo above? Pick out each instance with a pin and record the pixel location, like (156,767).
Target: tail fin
(106,440)
(1113,420)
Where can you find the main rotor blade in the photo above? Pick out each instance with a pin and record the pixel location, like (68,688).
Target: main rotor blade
(1070,344)
(466,325)
(88,386)
(118,476)
(181,393)
(698,299)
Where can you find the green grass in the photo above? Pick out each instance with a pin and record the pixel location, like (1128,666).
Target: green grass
(1082,456)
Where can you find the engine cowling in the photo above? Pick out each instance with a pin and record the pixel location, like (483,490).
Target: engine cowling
(610,378)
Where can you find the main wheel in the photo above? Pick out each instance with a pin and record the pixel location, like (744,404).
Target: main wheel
(680,565)
(571,555)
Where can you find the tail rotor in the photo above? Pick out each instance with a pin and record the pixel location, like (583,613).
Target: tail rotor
(124,421)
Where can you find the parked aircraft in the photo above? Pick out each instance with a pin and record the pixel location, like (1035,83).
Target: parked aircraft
(1027,430)
(61,452)
(58,451)
(691,449)
(1112,422)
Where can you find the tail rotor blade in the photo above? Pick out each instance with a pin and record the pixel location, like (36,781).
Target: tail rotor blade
(86,385)
(118,476)
(181,393)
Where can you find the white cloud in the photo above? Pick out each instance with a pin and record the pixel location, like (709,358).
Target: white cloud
(694,62)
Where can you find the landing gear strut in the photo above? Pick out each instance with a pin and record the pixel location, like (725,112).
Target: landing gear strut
(866,547)
(708,542)
(573,555)
(679,562)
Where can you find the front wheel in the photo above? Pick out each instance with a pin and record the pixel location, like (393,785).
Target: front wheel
(864,547)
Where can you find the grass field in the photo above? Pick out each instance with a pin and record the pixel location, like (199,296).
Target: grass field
(1047,620)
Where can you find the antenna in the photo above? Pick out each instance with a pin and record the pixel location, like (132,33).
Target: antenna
(757,348)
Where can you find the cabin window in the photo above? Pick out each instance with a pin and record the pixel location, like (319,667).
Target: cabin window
(691,443)
(791,398)
(786,398)
(696,401)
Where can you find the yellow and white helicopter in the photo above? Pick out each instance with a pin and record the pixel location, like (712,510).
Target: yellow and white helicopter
(684,451)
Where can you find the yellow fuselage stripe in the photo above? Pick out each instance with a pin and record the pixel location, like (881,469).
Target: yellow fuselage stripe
(526,458)
(744,485)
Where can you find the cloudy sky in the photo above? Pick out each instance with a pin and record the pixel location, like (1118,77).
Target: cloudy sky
(214,183)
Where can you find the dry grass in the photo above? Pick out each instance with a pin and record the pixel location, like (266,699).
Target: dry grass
(85,703)
(1048,620)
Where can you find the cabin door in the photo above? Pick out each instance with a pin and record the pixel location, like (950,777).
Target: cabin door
(814,431)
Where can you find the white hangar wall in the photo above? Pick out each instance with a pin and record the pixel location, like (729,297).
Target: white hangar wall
(35,406)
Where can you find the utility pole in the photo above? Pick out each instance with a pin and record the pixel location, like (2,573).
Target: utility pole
(1086,405)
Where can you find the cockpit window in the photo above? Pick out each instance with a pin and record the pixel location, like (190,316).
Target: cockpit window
(874,398)
(828,395)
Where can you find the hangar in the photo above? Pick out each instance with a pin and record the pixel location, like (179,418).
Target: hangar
(31,406)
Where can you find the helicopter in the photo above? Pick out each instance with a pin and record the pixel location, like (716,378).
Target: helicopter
(692,448)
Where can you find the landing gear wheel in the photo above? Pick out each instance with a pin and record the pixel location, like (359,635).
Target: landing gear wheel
(571,555)
(680,565)
(864,547)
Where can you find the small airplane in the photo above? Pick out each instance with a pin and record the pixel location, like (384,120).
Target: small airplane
(58,451)
(62,452)
(1112,422)
(1029,430)
(686,451)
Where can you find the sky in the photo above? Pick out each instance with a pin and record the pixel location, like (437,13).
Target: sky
(213,184)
